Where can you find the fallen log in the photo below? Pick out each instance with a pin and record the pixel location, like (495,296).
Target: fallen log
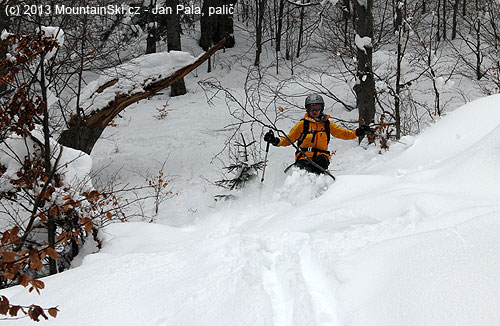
(84,130)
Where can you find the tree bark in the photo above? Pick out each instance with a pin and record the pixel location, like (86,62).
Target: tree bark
(479,56)
(444,20)
(215,27)
(346,15)
(151,41)
(454,24)
(365,88)
(152,30)
(259,20)
(438,29)
(401,14)
(279,27)
(174,43)
(301,31)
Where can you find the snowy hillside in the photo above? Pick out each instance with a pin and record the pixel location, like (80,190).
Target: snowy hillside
(407,237)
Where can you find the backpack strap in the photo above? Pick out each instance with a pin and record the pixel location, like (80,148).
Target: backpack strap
(327,130)
(305,131)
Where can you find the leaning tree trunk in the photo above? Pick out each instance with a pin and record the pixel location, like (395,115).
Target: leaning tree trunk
(88,129)
(365,87)
(215,27)
(174,44)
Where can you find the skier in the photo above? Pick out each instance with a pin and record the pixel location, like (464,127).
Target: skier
(313,134)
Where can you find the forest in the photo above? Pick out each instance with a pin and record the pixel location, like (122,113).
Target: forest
(69,71)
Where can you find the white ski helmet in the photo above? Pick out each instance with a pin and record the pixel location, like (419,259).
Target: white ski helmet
(314,99)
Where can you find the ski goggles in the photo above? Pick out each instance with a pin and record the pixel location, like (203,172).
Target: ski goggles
(314,107)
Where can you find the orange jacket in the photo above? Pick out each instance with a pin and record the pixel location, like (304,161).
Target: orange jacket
(320,140)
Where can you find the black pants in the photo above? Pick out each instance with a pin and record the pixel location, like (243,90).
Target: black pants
(321,160)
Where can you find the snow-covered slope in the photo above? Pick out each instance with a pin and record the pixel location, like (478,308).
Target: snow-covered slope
(405,238)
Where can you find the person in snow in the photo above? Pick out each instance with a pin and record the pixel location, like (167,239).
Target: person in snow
(312,134)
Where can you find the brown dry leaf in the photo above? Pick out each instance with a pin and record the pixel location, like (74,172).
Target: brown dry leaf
(23,280)
(4,305)
(14,310)
(89,226)
(52,253)
(53,312)
(37,284)
(9,257)
(35,262)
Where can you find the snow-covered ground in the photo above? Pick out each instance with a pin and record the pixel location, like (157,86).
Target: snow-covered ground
(408,237)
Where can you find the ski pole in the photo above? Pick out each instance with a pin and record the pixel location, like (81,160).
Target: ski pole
(265,162)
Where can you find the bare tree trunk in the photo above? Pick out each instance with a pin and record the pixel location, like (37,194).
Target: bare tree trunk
(455,14)
(279,28)
(174,43)
(287,43)
(365,88)
(438,30)
(215,27)
(206,26)
(152,30)
(400,13)
(444,19)
(346,15)
(479,57)
(278,12)
(301,31)
(51,223)
(259,20)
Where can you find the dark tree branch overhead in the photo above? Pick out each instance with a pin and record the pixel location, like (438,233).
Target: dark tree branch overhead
(91,127)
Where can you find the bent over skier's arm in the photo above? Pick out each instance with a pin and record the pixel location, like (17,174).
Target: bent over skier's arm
(293,135)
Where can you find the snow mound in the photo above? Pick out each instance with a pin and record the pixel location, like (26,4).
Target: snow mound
(301,186)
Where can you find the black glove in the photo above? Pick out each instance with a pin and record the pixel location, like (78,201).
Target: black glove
(269,137)
(363,130)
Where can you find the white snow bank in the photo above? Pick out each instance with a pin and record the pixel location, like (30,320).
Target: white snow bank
(74,166)
(443,277)
(459,131)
